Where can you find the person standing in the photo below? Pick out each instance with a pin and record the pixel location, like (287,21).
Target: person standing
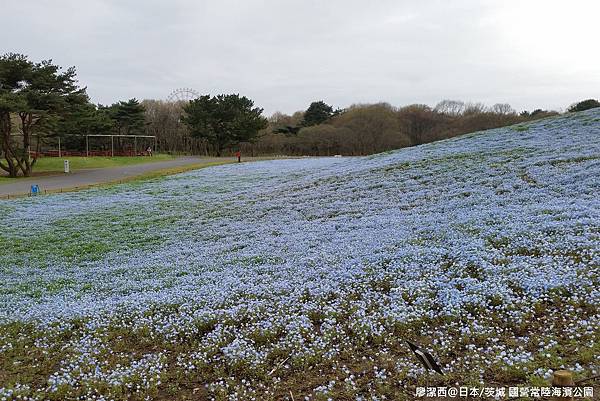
(238,154)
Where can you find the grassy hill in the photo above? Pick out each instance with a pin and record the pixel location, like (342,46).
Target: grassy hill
(304,277)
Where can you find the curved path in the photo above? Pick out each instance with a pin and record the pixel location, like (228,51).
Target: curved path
(87,177)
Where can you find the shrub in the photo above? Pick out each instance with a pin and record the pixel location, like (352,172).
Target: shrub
(584,105)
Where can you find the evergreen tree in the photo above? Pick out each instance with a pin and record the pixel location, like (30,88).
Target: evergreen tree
(80,120)
(129,117)
(317,113)
(38,94)
(224,120)
(584,105)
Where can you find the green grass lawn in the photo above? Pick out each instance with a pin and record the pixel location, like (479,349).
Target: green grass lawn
(55,164)
(46,164)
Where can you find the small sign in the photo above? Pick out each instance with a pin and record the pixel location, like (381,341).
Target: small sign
(67,167)
(35,189)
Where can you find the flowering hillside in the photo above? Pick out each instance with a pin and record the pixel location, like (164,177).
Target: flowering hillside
(302,278)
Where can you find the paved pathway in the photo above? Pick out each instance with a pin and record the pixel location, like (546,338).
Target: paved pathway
(82,178)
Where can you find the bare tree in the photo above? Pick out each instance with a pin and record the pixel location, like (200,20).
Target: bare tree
(503,108)
(452,108)
(419,122)
(474,108)
(163,120)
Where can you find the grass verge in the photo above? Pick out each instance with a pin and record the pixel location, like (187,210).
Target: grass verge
(46,165)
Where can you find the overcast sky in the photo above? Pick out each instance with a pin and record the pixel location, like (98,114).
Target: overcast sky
(285,54)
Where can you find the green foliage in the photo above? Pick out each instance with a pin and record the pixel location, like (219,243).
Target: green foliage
(128,116)
(39,94)
(537,114)
(39,90)
(584,105)
(224,120)
(82,119)
(287,130)
(520,128)
(317,113)
(55,164)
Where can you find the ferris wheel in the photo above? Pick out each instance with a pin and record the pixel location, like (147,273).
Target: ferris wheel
(183,95)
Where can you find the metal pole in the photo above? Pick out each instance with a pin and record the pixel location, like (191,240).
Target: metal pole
(59,152)
(135,146)
(87,146)
(112,146)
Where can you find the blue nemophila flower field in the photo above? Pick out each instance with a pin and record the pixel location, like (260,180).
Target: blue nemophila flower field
(259,281)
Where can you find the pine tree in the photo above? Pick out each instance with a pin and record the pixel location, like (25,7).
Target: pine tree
(224,120)
(317,113)
(37,94)
(128,116)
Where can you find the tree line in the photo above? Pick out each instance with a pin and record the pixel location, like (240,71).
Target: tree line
(41,101)
(321,130)
(371,128)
